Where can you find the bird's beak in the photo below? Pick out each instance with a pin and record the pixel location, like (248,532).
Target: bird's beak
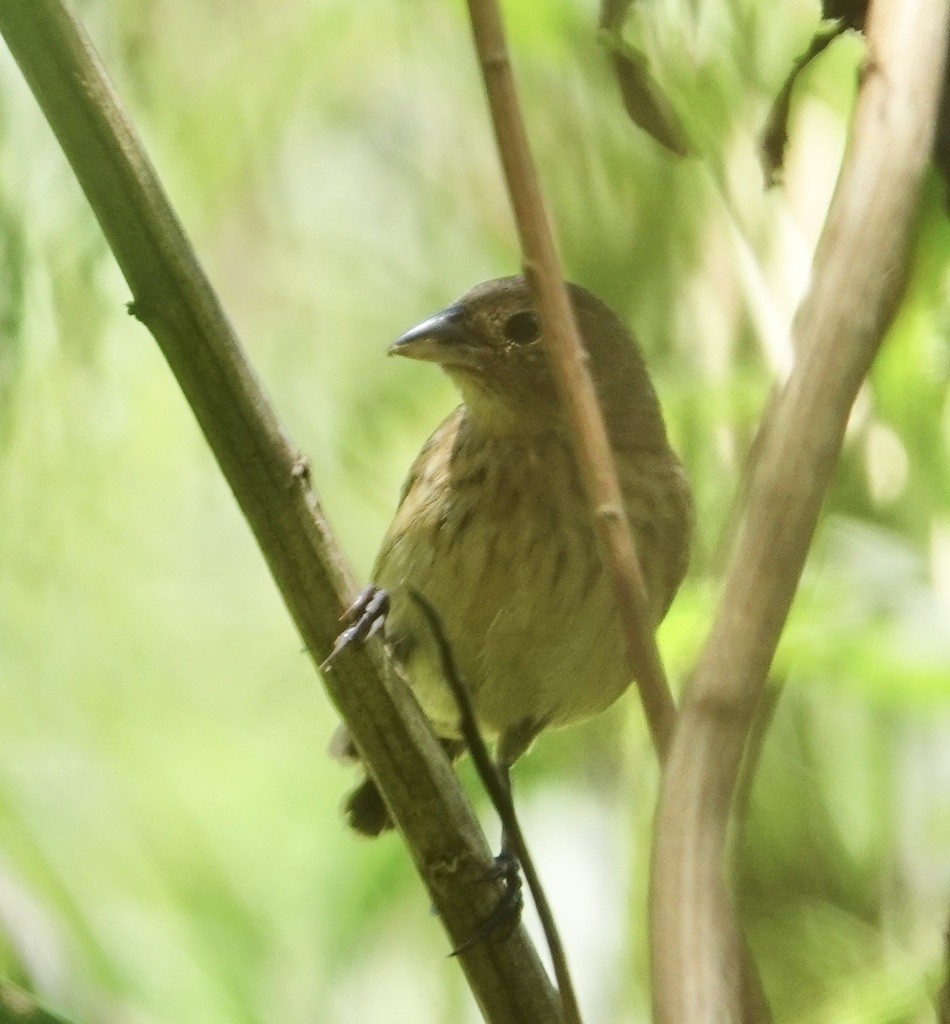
(442,338)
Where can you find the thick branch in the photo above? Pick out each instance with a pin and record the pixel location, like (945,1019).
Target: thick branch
(858,277)
(269,479)
(569,367)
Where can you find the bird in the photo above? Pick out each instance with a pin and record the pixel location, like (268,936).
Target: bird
(492,529)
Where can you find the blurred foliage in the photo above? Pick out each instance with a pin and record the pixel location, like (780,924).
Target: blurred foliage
(169,842)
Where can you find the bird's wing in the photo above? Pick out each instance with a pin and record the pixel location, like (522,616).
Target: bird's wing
(420,495)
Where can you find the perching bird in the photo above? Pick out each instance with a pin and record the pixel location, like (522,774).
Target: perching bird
(492,529)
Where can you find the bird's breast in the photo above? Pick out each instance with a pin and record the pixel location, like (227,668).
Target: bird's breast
(494,532)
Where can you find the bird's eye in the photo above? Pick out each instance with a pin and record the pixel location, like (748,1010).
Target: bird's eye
(521,327)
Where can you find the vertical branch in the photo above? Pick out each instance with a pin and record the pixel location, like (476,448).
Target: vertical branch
(568,364)
(858,277)
(566,356)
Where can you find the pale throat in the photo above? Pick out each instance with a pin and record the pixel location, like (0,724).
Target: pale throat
(500,415)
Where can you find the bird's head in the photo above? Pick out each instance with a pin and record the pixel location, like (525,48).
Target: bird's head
(489,343)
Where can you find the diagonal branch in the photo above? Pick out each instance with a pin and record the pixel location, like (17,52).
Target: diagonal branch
(567,359)
(858,278)
(270,481)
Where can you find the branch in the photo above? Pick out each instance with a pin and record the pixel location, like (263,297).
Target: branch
(858,278)
(269,478)
(501,799)
(567,359)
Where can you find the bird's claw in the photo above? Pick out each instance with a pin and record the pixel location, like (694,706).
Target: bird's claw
(507,911)
(365,617)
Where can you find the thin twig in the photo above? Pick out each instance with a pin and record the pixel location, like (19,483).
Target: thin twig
(504,805)
(858,277)
(565,353)
(566,356)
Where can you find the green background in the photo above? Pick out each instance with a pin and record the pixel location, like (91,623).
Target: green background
(170,846)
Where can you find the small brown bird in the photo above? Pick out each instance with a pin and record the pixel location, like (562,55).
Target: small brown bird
(493,530)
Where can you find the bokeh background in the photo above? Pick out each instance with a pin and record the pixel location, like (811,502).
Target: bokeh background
(170,845)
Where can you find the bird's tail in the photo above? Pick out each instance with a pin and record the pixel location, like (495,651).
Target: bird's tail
(365,809)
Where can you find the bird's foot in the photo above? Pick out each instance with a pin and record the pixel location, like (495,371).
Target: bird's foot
(365,617)
(507,913)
